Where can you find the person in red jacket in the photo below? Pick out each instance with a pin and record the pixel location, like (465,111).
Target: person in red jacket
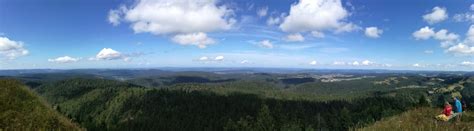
(447,109)
(446,112)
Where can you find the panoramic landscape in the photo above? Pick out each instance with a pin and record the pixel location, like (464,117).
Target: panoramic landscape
(237,65)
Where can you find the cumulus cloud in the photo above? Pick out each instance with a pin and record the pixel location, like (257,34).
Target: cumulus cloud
(357,63)
(423,33)
(467,63)
(114,16)
(447,39)
(183,18)
(266,44)
(367,62)
(275,20)
(470,35)
(373,32)
(244,62)
(339,63)
(364,63)
(438,14)
(178,16)
(207,59)
(417,65)
(466,47)
(262,11)
(64,59)
(317,15)
(461,49)
(296,37)
(465,17)
(11,49)
(197,39)
(443,35)
(204,58)
(109,54)
(317,34)
(313,62)
(347,28)
(219,58)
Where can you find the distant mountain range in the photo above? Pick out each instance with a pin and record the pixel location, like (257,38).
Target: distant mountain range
(144,71)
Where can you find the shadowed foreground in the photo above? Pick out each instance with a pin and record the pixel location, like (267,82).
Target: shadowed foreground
(21,109)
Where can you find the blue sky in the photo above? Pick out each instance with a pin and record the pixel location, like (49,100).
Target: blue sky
(321,34)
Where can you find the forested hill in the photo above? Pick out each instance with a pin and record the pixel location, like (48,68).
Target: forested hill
(21,109)
(98,104)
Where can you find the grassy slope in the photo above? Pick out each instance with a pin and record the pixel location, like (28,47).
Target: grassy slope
(422,119)
(21,109)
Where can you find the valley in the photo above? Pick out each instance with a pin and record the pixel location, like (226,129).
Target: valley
(256,100)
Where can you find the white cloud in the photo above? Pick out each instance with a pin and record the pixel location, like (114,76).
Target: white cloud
(424,33)
(313,62)
(265,44)
(64,59)
(467,63)
(317,34)
(219,58)
(115,15)
(295,37)
(244,62)
(428,51)
(262,11)
(338,63)
(347,28)
(317,15)
(355,63)
(446,39)
(438,14)
(417,65)
(443,35)
(461,49)
(465,17)
(470,35)
(197,39)
(109,54)
(367,62)
(11,49)
(386,65)
(273,20)
(183,18)
(373,32)
(466,47)
(178,16)
(204,58)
